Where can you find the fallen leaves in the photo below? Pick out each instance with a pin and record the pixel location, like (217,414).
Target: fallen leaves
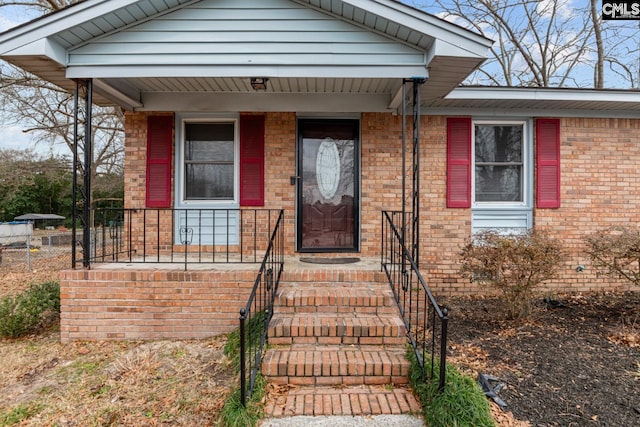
(630,339)
(505,418)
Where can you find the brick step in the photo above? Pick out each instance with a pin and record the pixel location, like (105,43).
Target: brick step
(367,298)
(336,365)
(356,401)
(327,328)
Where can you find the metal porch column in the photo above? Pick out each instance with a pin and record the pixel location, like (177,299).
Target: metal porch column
(411,219)
(82,167)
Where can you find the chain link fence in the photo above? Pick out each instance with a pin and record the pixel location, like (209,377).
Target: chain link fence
(24,248)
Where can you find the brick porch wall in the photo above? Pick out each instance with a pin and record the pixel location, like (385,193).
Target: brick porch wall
(115,304)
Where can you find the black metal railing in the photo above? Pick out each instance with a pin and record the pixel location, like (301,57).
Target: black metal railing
(186,236)
(426,322)
(255,316)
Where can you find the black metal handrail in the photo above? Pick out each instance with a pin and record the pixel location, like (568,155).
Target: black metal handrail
(419,309)
(255,316)
(183,236)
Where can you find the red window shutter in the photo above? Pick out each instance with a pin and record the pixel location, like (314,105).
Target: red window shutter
(548,163)
(252,160)
(159,144)
(458,162)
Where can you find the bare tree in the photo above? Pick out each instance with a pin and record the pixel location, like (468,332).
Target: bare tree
(545,43)
(42,6)
(47,112)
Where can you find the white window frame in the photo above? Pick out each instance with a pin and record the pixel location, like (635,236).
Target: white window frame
(226,220)
(506,217)
(527,172)
(181,182)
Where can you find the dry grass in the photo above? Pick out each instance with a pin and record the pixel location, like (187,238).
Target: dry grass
(15,276)
(113,383)
(44,382)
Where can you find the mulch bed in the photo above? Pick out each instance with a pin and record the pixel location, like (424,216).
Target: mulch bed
(574,362)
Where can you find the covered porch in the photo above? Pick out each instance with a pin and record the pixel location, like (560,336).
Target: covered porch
(238,113)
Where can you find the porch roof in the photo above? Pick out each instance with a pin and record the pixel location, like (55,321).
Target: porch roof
(318,54)
(492,101)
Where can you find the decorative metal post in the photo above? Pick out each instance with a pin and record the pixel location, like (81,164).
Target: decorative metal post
(81,191)
(443,349)
(411,237)
(415,225)
(243,361)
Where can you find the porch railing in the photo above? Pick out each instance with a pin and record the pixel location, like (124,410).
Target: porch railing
(255,316)
(183,236)
(426,322)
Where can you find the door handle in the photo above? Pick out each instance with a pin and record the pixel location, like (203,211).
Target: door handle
(294,179)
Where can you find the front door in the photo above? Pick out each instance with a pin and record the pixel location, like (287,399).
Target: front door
(328,186)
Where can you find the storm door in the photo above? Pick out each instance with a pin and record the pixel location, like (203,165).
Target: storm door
(328,186)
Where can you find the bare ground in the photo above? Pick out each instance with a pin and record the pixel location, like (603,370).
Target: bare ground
(575,362)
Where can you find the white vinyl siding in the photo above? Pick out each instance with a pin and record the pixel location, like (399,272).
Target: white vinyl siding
(258,32)
(206,227)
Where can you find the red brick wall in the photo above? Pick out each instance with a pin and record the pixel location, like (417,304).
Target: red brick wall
(600,178)
(136,159)
(600,164)
(151,304)
(600,185)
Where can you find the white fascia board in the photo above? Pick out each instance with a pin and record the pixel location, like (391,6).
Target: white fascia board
(53,23)
(444,48)
(473,44)
(274,71)
(42,47)
(544,94)
(511,113)
(265,102)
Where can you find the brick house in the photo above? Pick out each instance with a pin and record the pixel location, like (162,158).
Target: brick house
(238,108)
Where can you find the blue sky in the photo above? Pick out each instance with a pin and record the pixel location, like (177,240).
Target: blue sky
(12,136)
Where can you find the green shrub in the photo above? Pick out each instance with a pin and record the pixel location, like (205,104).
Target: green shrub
(233,414)
(514,264)
(616,251)
(461,403)
(26,312)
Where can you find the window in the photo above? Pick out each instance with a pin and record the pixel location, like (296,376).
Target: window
(499,163)
(209,161)
(490,170)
